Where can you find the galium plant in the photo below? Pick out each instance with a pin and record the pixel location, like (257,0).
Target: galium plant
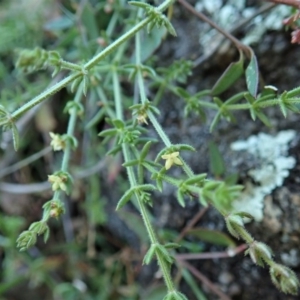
(127,136)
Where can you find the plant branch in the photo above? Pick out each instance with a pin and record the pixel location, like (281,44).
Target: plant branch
(204,18)
(212,255)
(204,280)
(192,223)
(293,3)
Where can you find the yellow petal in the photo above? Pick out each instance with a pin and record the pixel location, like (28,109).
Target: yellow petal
(177,161)
(174,154)
(168,164)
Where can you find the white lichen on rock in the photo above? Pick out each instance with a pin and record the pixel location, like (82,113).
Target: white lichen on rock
(271,152)
(229,13)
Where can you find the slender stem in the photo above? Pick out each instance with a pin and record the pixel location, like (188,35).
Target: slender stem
(187,169)
(24,162)
(70,66)
(204,279)
(201,16)
(117,93)
(133,182)
(112,23)
(208,104)
(212,255)
(159,129)
(293,92)
(192,223)
(124,37)
(293,3)
(159,93)
(58,86)
(44,95)
(70,130)
(151,116)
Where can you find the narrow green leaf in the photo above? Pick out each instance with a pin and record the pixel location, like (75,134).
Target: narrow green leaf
(217,165)
(292,108)
(169,26)
(211,185)
(263,118)
(149,70)
(146,187)
(212,236)
(139,4)
(161,250)
(131,163)
(283,108)
(172,245)
(168,297)
(180,198)
(231,179)
(85,84)
(160,153)
(159,184)
(15,135)
(189,279)
(75,84)
(154,110)
(148,163)
(252,75)
(182,93)
(229,77)
(179,296)
(149,255)
(244,215)
(196,179)
(145,150)
(215,121)
(114,150)
(46,234)
(184,147)
(125,198)
(150,26)
(118,123)
(232,230)
(55,71)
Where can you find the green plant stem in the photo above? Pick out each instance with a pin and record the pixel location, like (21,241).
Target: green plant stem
(117,93)
(44,95)
(133,183)
(162,263)
(70,66)
(244,234)
(159,93)
(91,63)
(71,129)
(125,37)
(112,23)
(159,129)
(293,92)
(151,116)
(264,104)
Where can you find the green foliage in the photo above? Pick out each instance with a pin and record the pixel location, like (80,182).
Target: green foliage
(125,136)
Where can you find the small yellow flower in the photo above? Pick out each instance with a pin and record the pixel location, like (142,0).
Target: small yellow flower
(142,119)
(171,159)
(58,182)
(57,142)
